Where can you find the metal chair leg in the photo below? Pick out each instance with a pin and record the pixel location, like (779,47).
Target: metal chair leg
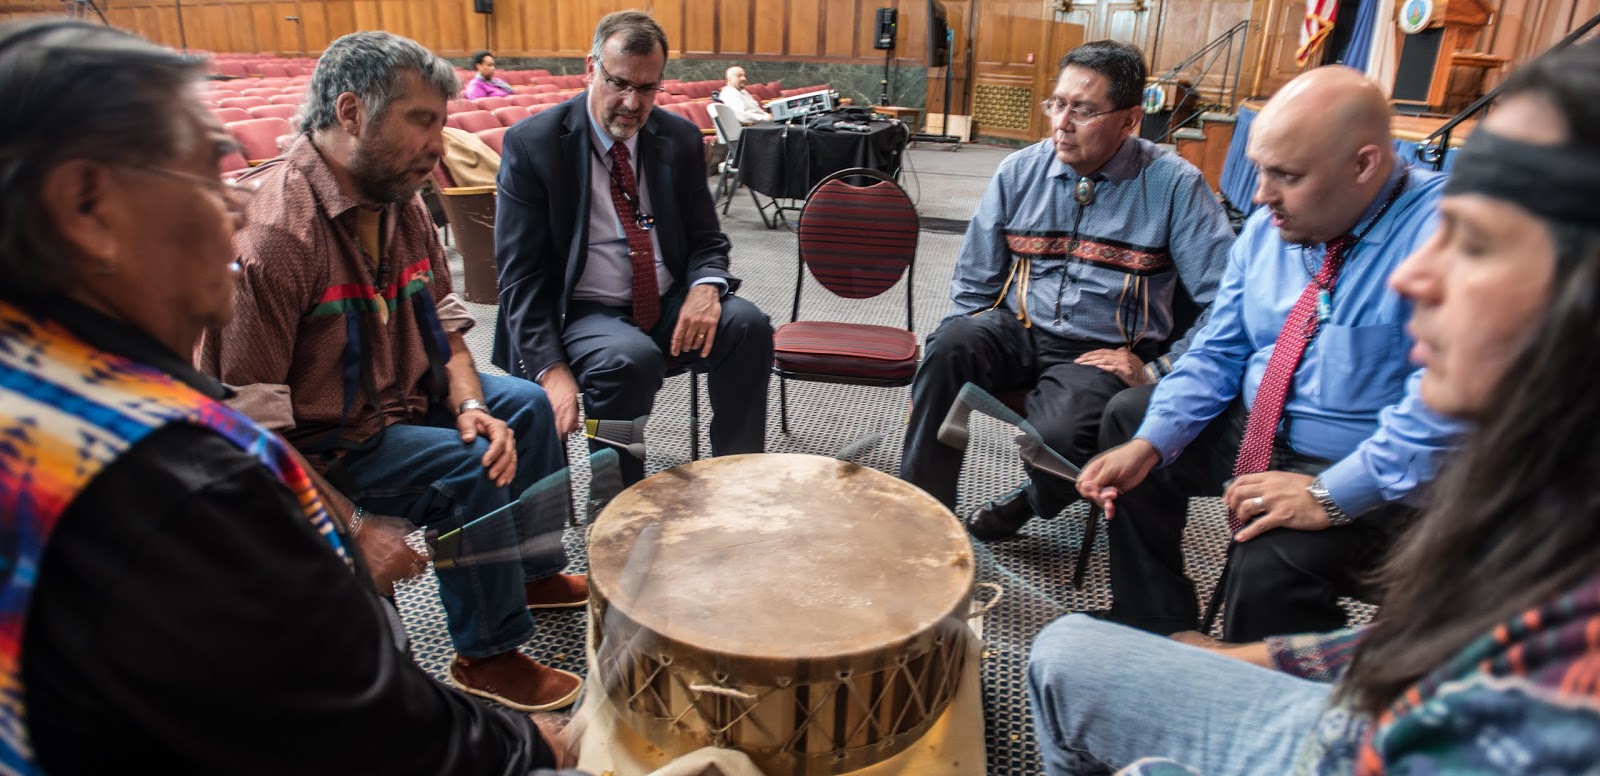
(1215,604)
(694,415)
(783,403)
(1091,530)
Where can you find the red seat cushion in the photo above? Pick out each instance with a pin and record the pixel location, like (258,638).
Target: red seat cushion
(845,350)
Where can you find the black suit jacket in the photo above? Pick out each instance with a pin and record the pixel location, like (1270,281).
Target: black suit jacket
(541,230)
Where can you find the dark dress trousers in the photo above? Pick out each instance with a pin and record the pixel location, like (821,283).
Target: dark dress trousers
(541,248)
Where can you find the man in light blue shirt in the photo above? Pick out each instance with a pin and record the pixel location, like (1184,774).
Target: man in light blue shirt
(1355,441)
(1067,281)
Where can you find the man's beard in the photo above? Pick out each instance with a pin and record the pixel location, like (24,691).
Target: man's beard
(378,184)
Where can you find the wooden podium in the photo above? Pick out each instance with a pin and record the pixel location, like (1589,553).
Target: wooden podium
(1438,35)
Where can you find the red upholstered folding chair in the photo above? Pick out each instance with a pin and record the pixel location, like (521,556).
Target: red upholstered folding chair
(857,241)
(226,115)
(285,112)
(510,114)
(259,137)
(472,120)
(494,138)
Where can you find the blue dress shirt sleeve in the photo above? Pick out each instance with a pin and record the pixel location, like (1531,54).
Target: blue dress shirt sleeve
(1401,457)
(1200,240)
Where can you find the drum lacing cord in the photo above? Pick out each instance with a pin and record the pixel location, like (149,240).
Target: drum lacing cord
(718,690)
(999,592)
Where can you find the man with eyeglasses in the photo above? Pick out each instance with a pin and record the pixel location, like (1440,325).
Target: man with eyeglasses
(1090,254)
(613,267)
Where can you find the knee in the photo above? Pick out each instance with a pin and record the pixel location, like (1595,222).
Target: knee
(523,403)
(631,363)
(1123,414)
(955,337)
(1072,663)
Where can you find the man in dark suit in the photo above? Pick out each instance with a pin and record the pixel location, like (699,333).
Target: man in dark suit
(613,267)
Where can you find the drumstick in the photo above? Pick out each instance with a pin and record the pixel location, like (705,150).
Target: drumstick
(862,444)
(551,495)
(1034,451)
(626,434)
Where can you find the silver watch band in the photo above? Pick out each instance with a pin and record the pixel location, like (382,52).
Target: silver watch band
(470,405)
(1336,516)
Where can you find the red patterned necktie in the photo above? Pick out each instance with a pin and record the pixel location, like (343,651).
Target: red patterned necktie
(1255,452)
(625,192)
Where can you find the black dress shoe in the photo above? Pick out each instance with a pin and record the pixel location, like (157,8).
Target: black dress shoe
(1002,518)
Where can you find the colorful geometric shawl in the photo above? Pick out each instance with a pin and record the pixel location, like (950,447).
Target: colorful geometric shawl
(67,410)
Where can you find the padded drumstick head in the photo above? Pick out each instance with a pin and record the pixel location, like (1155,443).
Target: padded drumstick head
(626,434)
(859,447)
(1034,451)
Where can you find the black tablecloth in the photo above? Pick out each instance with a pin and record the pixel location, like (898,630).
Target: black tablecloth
(787,160)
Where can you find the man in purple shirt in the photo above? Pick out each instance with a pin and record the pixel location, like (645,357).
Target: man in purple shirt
(486,85)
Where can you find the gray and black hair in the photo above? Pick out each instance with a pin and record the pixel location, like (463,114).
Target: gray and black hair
(1121,63)
(76,91)
(371,66)
(639,33)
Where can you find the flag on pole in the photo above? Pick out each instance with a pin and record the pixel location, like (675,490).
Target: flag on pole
(1316,25)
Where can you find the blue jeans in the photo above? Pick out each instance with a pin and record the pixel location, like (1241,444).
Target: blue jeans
(1105,695)
(423,473)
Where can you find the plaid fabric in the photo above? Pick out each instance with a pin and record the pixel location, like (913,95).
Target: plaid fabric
(68,411)
(1320,657)
(845,350)
(858,240)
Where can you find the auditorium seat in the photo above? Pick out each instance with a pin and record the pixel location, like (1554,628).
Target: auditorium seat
(472,120)
(551,98)
(235,69)
(232,165)
(515,77)
(221,94)
(259,137)
(523,100)
(226,115)
(459,106)
(804,90)
(542,88)
(274,70)
(274,112)
(510,114)
(490,103)
(495,137)
(288,98)
(243,102)
(262,91)
(536,109)
(539,72)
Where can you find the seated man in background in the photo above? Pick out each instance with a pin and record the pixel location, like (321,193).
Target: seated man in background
(612,263)
(1066,281)
(190,601)
(744,104)
(484,84)
(349,339)
(1297,388)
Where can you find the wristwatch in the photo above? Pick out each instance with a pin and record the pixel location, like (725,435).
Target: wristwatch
(1336,516)
(470,405)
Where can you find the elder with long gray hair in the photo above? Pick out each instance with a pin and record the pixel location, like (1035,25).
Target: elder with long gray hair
(176,592)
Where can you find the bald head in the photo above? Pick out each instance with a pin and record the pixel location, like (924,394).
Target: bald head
(1323,146)
(736,77)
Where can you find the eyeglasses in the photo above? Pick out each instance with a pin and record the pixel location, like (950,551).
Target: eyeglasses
(624,88)
(1078,115)
(236,193)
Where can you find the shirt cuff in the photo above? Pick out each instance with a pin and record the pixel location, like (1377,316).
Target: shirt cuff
(721,283)
(1157,430)
(454,317)
(1352,488)
(271,406)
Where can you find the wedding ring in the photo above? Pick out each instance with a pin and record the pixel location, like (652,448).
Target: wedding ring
(1261,503)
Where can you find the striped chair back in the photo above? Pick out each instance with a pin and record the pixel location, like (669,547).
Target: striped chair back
(856,239)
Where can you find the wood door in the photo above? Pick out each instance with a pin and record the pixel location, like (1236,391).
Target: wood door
(1015,54)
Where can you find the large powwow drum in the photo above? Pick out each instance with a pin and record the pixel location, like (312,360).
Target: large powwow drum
(807,611)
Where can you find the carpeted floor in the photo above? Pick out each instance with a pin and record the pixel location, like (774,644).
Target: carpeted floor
(1034,569)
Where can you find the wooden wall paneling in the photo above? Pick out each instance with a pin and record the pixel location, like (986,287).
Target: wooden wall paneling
(266,22)
(699,28)
(668,14)
(734,18)
(839,39)
(339,18)
(803,32)
(767,28)
(458,29)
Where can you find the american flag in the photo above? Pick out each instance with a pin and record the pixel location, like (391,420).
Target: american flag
(1316,25)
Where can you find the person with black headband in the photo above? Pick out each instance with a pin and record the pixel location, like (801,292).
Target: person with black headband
(1295,402)
(1081,274)
(1481,659)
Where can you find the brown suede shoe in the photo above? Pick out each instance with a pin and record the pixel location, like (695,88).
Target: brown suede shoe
(516,680)
(562,591)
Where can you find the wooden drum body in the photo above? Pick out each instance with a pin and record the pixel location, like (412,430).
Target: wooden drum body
(807,611)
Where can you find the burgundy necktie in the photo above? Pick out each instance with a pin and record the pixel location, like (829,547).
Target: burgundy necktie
(1255,452)
(624,195)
